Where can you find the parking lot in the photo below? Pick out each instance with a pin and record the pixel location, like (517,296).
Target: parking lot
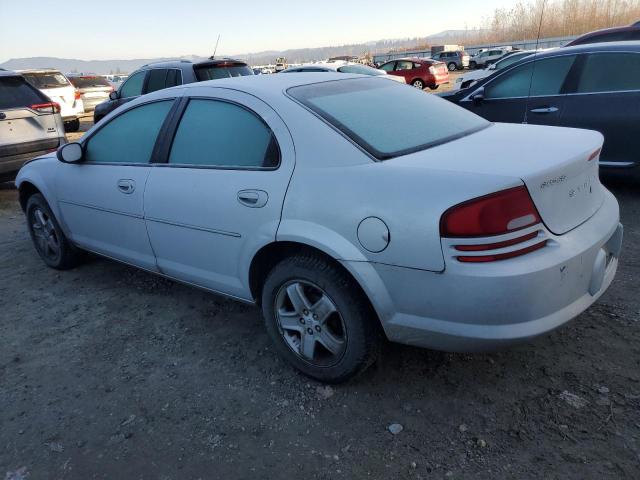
(106,369)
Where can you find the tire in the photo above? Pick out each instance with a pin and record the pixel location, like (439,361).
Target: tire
(418,84)
(48,238)
(472,65)
(452,67)
(72,126)
(319,286)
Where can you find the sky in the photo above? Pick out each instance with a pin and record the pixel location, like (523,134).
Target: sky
(127,29)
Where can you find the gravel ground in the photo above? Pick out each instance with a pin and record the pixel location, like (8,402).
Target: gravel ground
(108,372)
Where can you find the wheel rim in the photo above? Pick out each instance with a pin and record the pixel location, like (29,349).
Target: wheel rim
(310,323)
(44,234)
(418,84)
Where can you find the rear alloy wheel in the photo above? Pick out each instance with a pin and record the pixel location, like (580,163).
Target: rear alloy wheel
(72,125)
(49,240)
(418,84)
(452,67)
(318,319)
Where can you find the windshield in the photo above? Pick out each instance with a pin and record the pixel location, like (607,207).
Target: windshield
(361,69)
(214,72)
(46,80)
(89,82)
(387,119)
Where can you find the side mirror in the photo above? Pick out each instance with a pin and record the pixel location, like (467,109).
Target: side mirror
(70,153)
(478,97)
(113,95)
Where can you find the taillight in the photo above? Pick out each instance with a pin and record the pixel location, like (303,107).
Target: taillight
(499,213)
(51,107)
(594,155)
(77,95)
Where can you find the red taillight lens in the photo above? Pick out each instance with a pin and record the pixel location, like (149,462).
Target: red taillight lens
(77,95)
(503,256)
(594,155)
(495,214)
(51,107)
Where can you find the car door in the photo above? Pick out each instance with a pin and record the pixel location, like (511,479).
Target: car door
(101,198)
(532,92)
(218,197)
(607,99)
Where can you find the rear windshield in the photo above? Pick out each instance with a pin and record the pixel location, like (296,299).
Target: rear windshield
(46,80)
(16,93)
(385,118)
(214,72)
(89,82)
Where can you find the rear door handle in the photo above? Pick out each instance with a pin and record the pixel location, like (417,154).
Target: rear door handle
(545,110)
(126,186)
(253,198)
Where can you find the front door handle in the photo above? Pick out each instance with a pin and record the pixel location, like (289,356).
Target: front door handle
(544,110)
(126,186)
(253,198)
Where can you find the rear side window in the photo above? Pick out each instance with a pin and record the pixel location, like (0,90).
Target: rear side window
(222,134)
(404,65)
(46,80)
(387,119)
(15,92)
(610,72)
(546,78)
(130,137)
(157,79)
(133,86)
(174,77)
(215,72)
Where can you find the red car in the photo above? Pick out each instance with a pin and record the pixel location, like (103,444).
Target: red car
(419,72)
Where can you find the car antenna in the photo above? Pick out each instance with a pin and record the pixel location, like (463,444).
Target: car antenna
(212,57)
(533,68)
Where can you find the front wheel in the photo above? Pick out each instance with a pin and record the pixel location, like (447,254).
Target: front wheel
(50,242)
(472,65)
(452,67)
(319,319)
(418,84)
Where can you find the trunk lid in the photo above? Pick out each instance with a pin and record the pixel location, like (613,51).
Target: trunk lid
(554,164)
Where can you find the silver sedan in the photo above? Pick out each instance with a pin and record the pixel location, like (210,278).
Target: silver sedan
(351,209)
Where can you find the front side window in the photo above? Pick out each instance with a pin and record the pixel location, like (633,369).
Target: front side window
(540,78)
(222,134)
(133,86)
(386,119)
(610,72)
(129,137)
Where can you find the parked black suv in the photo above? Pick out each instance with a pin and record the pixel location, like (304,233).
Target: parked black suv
(156,76)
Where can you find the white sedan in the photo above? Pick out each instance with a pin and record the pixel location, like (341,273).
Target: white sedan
(347,216)
(343,67)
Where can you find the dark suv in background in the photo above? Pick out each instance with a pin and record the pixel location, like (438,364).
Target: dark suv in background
(458,60)
(156,76)
(617,34)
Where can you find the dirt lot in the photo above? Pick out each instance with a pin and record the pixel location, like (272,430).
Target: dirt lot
(107,372)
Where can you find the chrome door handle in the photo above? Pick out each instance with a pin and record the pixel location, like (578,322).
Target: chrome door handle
(545,110)
(253,198)
(126,186)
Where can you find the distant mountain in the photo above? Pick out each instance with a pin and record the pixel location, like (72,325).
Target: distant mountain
(298,55)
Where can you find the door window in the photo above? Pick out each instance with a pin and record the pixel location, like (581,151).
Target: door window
(388,67)
(157,79)
(404,65)
(133,86)
(545,79)
(129,137)
(610,72)
(216,133)
(174,77)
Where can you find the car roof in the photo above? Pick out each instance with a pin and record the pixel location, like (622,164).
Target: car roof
(623,28)
(39,70)
(182,63)
(9,73)
(631,45)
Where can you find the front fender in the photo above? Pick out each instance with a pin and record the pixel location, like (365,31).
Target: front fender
(40,172)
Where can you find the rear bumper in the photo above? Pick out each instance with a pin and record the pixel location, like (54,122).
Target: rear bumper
(13,163)
(479,307)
